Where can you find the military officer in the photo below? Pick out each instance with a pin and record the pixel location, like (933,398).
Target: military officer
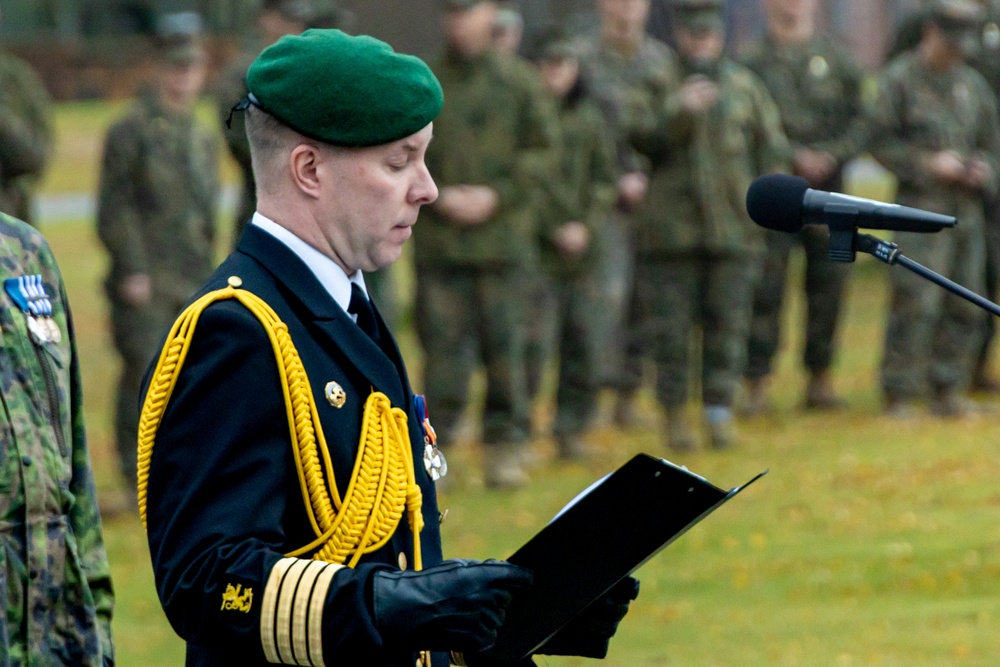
(25,135)
(697,247)
(817,88)
(57,586)
(156,212)
(629,74)
(935,126)
(286,471)
(476,244)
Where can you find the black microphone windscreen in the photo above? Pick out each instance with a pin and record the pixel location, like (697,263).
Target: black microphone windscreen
(775,201)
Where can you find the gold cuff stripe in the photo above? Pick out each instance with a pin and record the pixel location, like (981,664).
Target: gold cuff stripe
(268,608)
(300,612)
(316,605)
(286,600)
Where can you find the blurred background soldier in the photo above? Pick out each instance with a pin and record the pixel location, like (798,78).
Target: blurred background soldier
(276,19)
(475,245)
(25,135)
(156,213)
(579,194)
(508,31)
(629,73)
(817,88)
(698,249)
(935,126)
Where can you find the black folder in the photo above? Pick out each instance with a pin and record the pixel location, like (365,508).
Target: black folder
(604,535)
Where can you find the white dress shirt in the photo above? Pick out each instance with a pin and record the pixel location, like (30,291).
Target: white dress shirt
(333,278)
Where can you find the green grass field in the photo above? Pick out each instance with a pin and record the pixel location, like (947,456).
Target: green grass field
(871,542)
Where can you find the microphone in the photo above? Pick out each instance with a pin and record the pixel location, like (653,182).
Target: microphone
(785,203)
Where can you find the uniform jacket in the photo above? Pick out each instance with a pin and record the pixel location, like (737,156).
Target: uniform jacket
(25,134)
(224,501)
(497,129)
(918,113)
(54,576)
(156,204)
(703,165)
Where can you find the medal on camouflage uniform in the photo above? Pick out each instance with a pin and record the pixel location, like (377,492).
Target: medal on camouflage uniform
(434,461)
(28,292)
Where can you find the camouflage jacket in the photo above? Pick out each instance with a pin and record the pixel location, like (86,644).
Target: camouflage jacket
(627,88)
(25,134)
(157,199)
(919,112)
(233,88)
(497,128)
(703,165)
(55,576)
(581,187)
(817,87)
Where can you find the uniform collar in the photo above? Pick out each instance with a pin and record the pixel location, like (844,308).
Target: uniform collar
(333,278)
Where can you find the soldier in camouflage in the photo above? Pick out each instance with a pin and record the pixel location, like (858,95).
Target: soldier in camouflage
(56,583)
(817,87)
(935,126)
(578,196)
(628,73)
(25,134)
(698,249)
(156,214)
(474,246)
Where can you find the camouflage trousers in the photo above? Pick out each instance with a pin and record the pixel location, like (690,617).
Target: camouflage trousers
(465,315)
(381,287)
(932,336)
(616,275)
(138,332)
(825,282)
(561,323)
(694,302)
(992,277)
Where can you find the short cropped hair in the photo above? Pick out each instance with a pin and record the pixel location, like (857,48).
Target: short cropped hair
(270,144)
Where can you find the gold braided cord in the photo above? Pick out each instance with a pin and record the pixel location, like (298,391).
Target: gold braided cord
(383,483)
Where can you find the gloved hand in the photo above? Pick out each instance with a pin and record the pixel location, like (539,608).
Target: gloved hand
(457,605)
(589,634)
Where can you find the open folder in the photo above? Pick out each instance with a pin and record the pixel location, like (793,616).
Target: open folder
(604,535)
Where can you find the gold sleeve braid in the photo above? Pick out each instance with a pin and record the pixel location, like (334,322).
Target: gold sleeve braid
(382,488)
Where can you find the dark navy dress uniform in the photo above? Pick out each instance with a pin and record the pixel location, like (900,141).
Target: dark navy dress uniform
(224,500)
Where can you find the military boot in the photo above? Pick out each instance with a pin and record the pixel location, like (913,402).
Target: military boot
(951,403)
(677,431)
(503,466)
(721,428)
(758,398)
(626,413)
(571,448)
(820,394)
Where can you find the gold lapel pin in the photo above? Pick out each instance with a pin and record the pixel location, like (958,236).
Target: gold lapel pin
(335,394)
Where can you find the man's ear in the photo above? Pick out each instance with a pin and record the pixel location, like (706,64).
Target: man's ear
(304,162)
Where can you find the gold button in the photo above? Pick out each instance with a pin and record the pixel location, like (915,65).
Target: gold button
(235,281)
(402,561)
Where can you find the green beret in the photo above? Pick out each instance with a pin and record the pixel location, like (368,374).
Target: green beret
(344,90)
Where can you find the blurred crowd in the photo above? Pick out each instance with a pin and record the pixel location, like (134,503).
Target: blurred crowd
(590,224)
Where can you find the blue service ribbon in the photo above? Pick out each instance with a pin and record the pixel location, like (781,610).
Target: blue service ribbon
(28,292)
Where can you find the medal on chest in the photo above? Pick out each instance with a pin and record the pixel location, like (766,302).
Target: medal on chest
(28,292)
(434,461)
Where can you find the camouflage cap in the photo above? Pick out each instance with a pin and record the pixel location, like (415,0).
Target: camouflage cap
(298,11)
(699,15)
(508,17)
(552,43)
(178,37)
(960,21)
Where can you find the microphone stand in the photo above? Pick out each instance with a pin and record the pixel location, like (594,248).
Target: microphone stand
(846,242)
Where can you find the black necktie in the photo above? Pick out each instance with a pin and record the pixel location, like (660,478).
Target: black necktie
(362,308)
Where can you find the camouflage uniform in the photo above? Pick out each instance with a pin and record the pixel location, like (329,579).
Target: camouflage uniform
(233,88)
(56,581)
(918,113)
(817,88)
(581,188)
(156,216)
(25,134)
(698,248)
(495,130)
(626,87)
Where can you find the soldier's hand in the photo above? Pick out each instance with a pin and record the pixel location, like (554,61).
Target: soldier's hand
(632,189)
(978,174)
(572,238)
(698,94)
(468,204)
(947,166)
(457,605)
(136,289)
(814,166)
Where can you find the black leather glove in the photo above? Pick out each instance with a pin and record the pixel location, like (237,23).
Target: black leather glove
(589,634)
(456,605)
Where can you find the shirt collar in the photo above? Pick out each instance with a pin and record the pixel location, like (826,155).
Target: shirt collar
(333,278)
